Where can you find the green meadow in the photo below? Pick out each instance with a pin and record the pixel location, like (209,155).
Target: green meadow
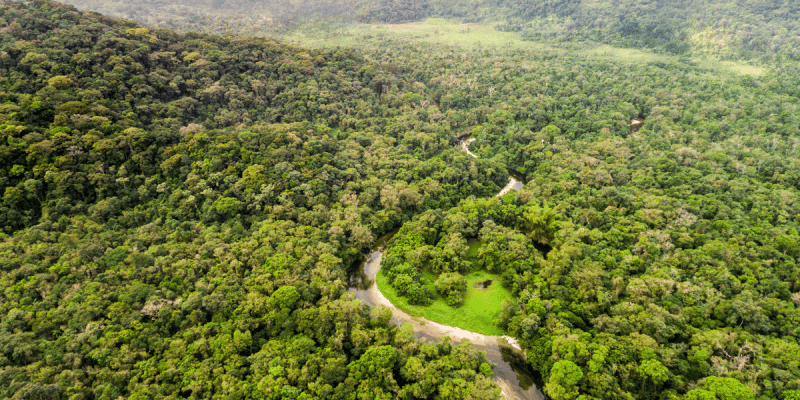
(432,30)
(477,35)
(477,314)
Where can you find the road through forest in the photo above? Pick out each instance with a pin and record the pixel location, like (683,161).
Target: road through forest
(511,371)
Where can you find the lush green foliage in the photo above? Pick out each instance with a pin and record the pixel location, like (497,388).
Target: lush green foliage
(436,243)
(452,286)
(678,239)
(179,211)
(393,11)
(720,28)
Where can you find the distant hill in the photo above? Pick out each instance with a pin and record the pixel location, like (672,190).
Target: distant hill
(248,17)
(725,29)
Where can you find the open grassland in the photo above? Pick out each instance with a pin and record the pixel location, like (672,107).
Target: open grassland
(473,35)
(477,314)
(432,30)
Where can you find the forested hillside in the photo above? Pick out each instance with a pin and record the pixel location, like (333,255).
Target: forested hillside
(180,212)
(724,29)
(674,248)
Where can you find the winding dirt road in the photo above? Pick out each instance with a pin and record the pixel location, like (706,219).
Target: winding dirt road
(513,184)
(465,146)
(511,372)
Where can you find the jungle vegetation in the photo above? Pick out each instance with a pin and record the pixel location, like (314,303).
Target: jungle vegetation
(181,211)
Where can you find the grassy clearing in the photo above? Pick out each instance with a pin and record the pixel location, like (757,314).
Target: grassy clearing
(478,313)
(470,36)
(741,68)
(473,245)
(639,56)
(432,30)
(624,55)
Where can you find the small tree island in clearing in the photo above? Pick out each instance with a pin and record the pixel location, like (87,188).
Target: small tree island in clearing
(460,267)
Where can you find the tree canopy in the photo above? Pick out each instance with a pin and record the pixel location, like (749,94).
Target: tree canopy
(180,213)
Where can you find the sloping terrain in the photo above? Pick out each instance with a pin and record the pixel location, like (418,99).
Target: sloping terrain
(179,212)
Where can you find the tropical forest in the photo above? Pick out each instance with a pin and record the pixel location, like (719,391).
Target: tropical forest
(400,199)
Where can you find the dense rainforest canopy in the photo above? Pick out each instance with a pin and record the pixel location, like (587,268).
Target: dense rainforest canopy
(180,212)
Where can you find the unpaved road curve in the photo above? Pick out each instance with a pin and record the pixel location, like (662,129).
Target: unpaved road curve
(511,372)
(516,383)
(465,146)
(513,184)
